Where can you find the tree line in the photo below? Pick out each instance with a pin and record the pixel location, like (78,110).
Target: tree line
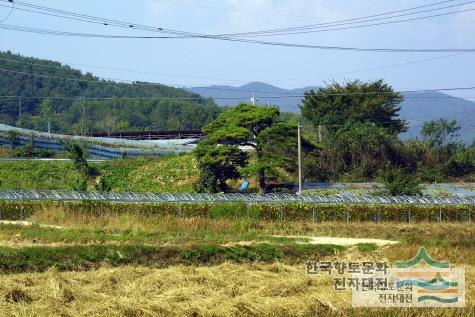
(352,135)
(64,104)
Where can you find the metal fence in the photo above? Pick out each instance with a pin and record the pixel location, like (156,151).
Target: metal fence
(35,195)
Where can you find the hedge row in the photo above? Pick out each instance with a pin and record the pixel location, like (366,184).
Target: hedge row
(289,212)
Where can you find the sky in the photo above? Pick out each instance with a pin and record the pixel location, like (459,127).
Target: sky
(200,62)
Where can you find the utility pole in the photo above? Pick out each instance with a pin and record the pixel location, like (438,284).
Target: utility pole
(299,148)
(19,108)
(253,99)
(319,133)
(83,117)
(49,127)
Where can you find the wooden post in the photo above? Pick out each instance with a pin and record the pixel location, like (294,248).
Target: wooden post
(313,215)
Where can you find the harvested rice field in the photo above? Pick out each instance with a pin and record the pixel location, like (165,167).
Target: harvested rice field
(58,264)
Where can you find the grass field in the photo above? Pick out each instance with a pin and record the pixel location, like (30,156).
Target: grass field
(135,265)
(168,174)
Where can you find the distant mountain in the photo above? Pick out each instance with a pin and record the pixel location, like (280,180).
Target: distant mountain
(417,107)
(230,96)
(424,106)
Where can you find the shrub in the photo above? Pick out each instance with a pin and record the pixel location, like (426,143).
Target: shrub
(399,182)
(29,150)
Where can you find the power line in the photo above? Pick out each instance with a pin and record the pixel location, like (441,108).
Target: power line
(280,44)
(205,36)
(283,95)
(12,7)
(107,22)
(362,26)
(119,69)
(184,98)
(76,34)
(367,93)
(110,82)
(332,22)
(227,79)
(425,60)
(237,10)
(89,18)
(197,98)
(326,28)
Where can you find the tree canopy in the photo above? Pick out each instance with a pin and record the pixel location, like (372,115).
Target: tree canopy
(274,143)
(75,113)
(355,102)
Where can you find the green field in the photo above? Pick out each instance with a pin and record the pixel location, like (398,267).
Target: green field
(169,174)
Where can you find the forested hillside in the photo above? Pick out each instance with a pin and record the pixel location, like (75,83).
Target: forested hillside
(45,96)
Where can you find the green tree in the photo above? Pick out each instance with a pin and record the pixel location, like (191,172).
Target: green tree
(242,126)
(217,164)
(359,125)
(272,142)
(438,133)
(46,114)
(77,152)
(399,182)
(354,103)
(278,145)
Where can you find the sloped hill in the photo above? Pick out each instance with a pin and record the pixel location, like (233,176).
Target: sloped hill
(32,78)
(420,107)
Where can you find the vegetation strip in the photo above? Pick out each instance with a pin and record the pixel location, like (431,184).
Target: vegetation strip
(39,259)
(291,212)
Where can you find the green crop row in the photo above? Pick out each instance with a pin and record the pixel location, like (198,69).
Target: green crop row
(67,258)
(288,212)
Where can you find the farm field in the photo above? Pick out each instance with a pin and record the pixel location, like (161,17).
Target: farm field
(66,264)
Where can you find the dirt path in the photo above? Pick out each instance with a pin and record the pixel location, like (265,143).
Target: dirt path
(341,241)
(27,224)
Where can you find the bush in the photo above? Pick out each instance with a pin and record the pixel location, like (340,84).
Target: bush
(77,152)
(399,182)
(29,150)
